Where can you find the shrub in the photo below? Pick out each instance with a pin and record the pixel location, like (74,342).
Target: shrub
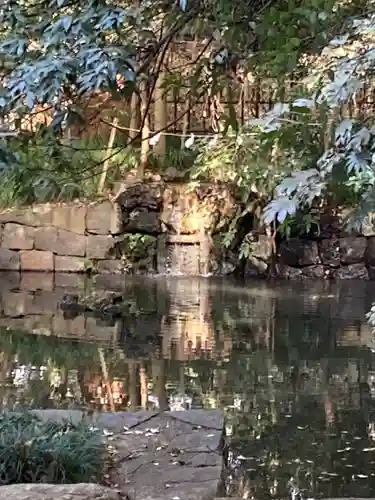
(32,451)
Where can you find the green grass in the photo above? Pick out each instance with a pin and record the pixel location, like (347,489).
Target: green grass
(32,451)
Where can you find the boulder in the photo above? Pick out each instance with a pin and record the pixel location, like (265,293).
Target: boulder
(352,249)
(297,252)
(352,272)
(81,491)
(142,221)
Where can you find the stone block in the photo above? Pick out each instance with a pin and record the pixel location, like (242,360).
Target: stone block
(98,246)
(40,215)
(80,491)
(352,249)
(36,281)
(298,253)
(70,218)
(69,243)
(18,237)
(100,218)
(60,241)
(141,221)
(9,260)
(110,267)
(68,264)
(46,238)
(36,260)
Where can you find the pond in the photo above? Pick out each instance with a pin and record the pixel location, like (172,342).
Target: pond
(291,364)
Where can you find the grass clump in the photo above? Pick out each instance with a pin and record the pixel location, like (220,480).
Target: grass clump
(32,451)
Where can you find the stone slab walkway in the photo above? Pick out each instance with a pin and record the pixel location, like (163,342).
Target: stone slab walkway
(174,455)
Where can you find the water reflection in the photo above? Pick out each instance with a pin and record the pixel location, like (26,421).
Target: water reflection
(289,363)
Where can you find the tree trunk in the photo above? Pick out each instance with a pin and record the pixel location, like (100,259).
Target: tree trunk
(145,133)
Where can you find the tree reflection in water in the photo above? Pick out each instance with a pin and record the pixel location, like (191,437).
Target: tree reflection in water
(290,366)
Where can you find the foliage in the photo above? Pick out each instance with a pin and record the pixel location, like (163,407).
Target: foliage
(33,451)
(136,248)
(44,169)
(347,160)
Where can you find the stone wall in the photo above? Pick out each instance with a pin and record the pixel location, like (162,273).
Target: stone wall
(61,238)
(170,227)
(345,257)
(126,234)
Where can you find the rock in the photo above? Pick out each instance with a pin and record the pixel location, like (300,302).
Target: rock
(255,268)
(67,264)
(297,252)
(40,215)
(60,242)
(139,196)
(70,218)
(142,221)
(18,237)
(9,260)
(290,273)
(329,250)
(262,249)
(227,267)
(81,491)
(98,246)
(109,303)
(352,249)
(352,272)
(35,260)
(314,272)
(368,225)
(100,216)
(370,251)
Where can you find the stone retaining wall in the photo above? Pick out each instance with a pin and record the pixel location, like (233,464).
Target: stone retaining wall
(117,236)
(167,228)
(346,257)
(61,238)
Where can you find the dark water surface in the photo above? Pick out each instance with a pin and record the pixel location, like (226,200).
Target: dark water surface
(290,364)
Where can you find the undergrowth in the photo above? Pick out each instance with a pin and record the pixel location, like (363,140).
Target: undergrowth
(32,451)
(39,168)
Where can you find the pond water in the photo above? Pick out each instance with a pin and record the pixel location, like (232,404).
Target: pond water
(291,364)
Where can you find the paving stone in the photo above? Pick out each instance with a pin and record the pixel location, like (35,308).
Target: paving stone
(212,419)
(79,491)
(122,420)
(161,456)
